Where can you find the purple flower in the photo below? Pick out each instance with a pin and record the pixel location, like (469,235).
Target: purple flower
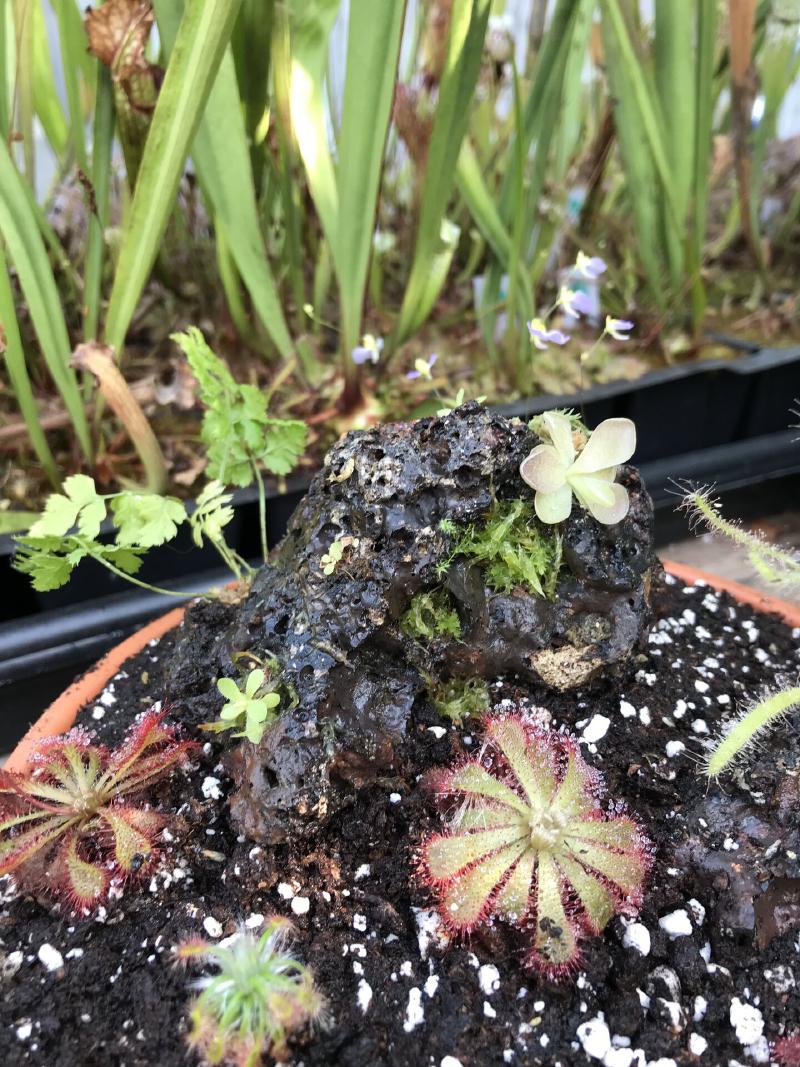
(590,266)
(369,350)
(541,336)
(575,302)
(619,329)
(422,367)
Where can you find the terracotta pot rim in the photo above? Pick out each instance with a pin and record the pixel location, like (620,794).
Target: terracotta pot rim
(61,714)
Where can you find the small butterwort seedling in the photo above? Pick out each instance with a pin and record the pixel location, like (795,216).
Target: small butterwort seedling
(743,732)
(259,997)
(530,844)
(331,559)
(560,467)
(71,826)
(249,709)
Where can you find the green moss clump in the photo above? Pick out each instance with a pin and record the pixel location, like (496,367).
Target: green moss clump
(431,615)
(459,698)
(512,549)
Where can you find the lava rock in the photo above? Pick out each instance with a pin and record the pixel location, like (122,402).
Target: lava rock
(338,637)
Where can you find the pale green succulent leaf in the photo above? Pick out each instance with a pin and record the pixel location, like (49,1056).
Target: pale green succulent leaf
(255,680)
(553,507)
(613,442)
(543,469)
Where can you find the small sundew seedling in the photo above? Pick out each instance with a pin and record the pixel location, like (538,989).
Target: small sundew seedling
(772,563)
(430,615)
(530,844)
(250,709)
(510,548)
(260,996)
(568,464)
(69,827)
(744,731)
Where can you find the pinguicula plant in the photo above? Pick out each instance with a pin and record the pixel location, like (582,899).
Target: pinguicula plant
(258,998)
(250,708)
(530,843)
(570,463)
(77,821)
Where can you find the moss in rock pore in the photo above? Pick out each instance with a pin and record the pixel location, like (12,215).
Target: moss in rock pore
(511,548)
(430,615)
(459,698)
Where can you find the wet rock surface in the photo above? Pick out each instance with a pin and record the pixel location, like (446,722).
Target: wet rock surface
(338,637)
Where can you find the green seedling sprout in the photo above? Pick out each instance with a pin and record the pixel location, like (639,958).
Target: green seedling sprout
(258,998)
(744,731)
(249,709)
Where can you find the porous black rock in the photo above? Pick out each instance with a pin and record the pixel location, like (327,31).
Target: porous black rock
(355,671)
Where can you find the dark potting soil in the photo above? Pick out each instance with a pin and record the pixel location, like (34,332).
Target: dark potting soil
(705,975)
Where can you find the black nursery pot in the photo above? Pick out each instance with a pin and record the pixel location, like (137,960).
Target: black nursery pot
(723,422)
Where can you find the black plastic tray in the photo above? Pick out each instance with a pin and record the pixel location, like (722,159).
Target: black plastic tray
(723,422)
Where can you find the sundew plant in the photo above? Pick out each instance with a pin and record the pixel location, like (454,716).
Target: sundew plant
(77,822)
(259,996)
(529,843)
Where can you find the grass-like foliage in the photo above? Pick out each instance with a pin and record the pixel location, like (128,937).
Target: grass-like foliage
(511,548)
(258,998)
(743,732)
(530,844)
(76,822)
(772,563)
(431,614)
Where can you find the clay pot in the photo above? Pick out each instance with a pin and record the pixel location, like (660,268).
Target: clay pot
(61,714)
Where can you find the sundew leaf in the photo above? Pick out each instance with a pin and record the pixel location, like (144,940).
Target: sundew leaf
(146,520)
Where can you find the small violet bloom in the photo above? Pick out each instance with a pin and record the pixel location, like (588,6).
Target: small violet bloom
(590,266)
(574,302)
(422,367)
(369,350)
(541,336)
(557,470)
(619,329)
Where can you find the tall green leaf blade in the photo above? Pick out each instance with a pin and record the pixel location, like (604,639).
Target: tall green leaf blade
(46,102)
(468,21)
(14,357)
(311,25)
(373,51)
(200,44)
(102,140)
(19,226)
(704,119)
(222,161)
(640,173)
